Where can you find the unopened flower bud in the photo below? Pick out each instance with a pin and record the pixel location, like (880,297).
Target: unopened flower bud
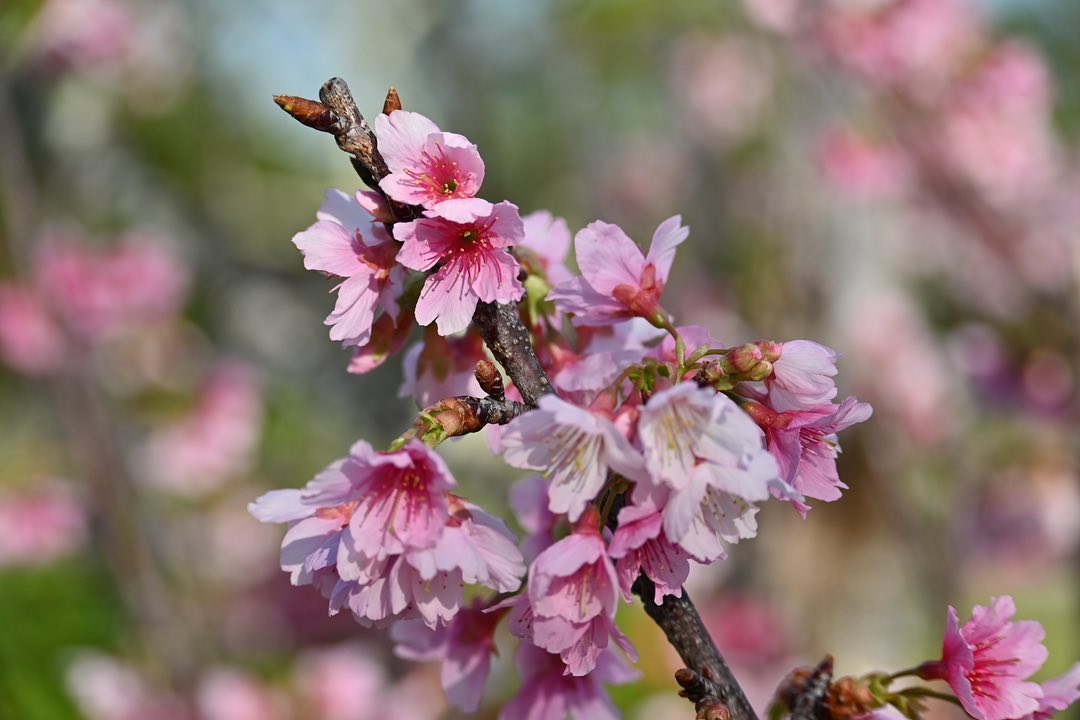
(770,350)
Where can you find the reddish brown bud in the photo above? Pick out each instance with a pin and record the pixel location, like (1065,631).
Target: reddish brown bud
(489,379)
(308,112)
(392,102)
(712,709)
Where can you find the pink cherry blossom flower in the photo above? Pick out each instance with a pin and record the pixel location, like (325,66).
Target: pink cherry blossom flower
(988,660)
(547,693)
(104,688)
(427,166)
(214,442)
(387,338)
(639,545)
(603,352)
(805,446)
(464,647)
(41,524)
(862,167)
(1058,694)
(802,374)
(347,242)
(548,237)
(469,237)
(31,341)
(82,34)
(573,594)
(617,281)
(572,446)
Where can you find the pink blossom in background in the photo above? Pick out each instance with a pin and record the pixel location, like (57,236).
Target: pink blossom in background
(427,166)
(82,34)
(529,501)
(104,688)
(226,693)
(216,441)
(40,524)
(862,167)
(101,293)
(618,282)
(440,367)
(342,682)
(469,237)
(914,44)
(995,130)
(723,85)
(547,693)
(31,342)
(574,447)
(987,661)
(780,16)
(347,242)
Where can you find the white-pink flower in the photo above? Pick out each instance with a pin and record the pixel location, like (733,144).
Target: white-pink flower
(617,282)
(469,238)
(427,166)
(802,374)
(31,341)
(347,242)
(549,238)
(574,447)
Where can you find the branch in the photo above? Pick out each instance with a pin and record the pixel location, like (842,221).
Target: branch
(510,342)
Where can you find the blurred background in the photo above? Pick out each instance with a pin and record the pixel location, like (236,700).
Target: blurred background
(898,179)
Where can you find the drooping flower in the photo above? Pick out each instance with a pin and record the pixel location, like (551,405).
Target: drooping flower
(805,446)
(440,367)
(469,237)
(573,594)
(572,446)
(640,546)
(617,281)
(347,242)
(548,693)
(427,166)
(988,660)
(464,647)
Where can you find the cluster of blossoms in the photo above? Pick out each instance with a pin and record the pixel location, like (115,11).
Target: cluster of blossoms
(656,447)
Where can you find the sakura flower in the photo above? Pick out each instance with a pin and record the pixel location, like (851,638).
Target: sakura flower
(805,446)
(427,166)
(387,338)
(639,545)
(617,281)
(574,447)
(464,647)
(1058,694)
(528,498)
(82,34)
(573,593)
(347,242)
(31,341)
(469,237)
(230,694)
(802,374)
(987,661)
(547,693)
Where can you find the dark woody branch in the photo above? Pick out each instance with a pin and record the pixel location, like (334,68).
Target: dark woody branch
(707,680)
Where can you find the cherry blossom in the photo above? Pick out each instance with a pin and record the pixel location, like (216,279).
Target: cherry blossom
(987,661)
(617,281)
(469,237)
